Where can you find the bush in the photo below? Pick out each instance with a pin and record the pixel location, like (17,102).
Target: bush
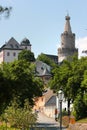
(65,120)
(19,117)
(80,108)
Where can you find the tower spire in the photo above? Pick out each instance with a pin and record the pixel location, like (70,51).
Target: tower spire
(67,48)
(67,27)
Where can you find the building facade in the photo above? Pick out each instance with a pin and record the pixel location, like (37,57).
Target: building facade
(67,48)
(10,50)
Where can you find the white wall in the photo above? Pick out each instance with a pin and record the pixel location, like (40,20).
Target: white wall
(11,57)
(1,56)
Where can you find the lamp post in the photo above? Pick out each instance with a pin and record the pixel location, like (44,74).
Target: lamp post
(60,95)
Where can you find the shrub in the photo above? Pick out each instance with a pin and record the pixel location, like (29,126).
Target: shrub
(80,108)
(65,120)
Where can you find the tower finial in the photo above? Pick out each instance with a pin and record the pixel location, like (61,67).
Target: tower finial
(67,16)
(67,12)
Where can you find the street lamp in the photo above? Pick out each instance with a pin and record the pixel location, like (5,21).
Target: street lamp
(60,95)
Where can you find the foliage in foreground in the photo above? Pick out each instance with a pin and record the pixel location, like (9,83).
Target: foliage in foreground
(18,79)
(5,10)
(19,117)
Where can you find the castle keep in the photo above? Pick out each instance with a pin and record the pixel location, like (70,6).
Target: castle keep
(67,42)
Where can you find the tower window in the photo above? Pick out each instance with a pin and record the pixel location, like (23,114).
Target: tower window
(14,54)
(26,47)
(8,53)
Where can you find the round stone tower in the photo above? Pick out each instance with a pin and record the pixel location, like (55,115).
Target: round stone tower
(67,42)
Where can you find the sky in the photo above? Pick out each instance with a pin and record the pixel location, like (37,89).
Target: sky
(42,22)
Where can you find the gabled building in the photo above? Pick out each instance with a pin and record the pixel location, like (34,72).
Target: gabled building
(43,71)
(10,50)
(41,101)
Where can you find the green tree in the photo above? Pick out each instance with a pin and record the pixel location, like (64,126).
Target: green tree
(5,10)
(60,78)
(26,55)
(69,76)
(45,59)
(5,90)
(18,79)
(84,86)
(25,84)
(80,107)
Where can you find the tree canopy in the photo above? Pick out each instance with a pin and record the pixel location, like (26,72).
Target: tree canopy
(18,79)
(72,77)
(47,60)
(5,10)
(26,55)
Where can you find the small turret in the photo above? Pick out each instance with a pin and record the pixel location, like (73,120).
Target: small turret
(25,44)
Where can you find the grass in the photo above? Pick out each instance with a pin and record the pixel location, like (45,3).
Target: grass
(4,128)
(82,120)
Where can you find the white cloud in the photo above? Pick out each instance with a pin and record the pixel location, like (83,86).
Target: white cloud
(81,44)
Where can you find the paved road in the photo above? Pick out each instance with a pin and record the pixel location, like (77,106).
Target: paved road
(45,121)
(42,118)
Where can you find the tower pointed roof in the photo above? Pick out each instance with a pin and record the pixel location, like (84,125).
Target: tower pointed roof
(67,25)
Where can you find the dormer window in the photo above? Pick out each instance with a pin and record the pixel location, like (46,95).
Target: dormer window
(11,45)
(42,68)
(16,46)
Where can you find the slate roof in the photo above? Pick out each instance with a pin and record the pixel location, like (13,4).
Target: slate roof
(51,101)
(45,72)
(11,44)
(42,69)
(25,42)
